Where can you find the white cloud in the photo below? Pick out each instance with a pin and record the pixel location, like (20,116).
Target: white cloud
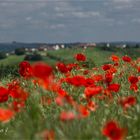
(136,20)
(122,4)
(83,14)
(28,18)
(57,26)
(122,1)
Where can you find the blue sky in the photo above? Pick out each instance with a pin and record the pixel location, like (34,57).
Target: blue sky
(69,20)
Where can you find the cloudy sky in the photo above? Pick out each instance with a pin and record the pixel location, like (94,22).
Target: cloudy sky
(69,20)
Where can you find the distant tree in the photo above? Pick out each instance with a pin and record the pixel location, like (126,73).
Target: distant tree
(137,46)
(2,55)
(20,51)
(128,46)
(33,57)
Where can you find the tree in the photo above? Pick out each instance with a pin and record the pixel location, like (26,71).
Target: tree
(33,57)
(2,55)
(20,51)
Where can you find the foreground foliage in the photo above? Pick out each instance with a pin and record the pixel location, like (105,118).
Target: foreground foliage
(72,101)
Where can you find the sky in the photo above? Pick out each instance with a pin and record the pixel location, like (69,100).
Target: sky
(53,21)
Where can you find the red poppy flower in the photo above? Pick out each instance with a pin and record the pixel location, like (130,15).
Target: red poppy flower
(48,135)
(89,82)
(76,80)
(134,87)
(70,100)
(133,79)
(115,58)
(42,70)
(25,69)
(16,92)
(138,68)
(97,78)
(5,114)
(92,91)
(62,67)
(61,92)
(3,94)
(18,105)
(108,78)
(71,66)
(114,87)
(128,102)
(86,72)
(84,112)
(113,131)
(67,116)
(80,57)
(126,58)
(92,106)
(59,100)
(112,70)
(106,67)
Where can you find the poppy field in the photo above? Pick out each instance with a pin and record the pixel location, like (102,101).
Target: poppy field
(72,101)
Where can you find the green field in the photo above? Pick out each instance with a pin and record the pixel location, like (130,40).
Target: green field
(43,111)
(96,54)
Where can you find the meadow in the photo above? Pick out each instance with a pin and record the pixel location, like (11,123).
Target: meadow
(92,94)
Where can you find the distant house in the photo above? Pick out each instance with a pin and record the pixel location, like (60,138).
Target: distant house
(7,54)
(88,45)
(12,53)
(32,50)
(56,47)
(62,46)
(108,45)
(43,48)
(26,49)
(122,46)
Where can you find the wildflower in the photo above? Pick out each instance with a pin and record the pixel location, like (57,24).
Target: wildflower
(86,72)
(18,105)
(76,80)
(114,87)
(80,57)
(16,92)
(48,135)
(71,66)
(6,114)
(97,78)
(83,111)
(138,69)
(106,67)
(3,94)
(108,78)
(42,70)
(67,116)
(134,87)
(126,59)
(133,79)
(113,131)
(25,69)
(92,106)
(127,102)
(89,82)
(59,100)
(92,91)
(115,58)
(62,67)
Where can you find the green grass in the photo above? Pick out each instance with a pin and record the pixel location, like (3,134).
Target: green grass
(36,117)
(95,54)
(13,59)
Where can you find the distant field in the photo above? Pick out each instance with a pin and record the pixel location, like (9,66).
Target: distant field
(96,55)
